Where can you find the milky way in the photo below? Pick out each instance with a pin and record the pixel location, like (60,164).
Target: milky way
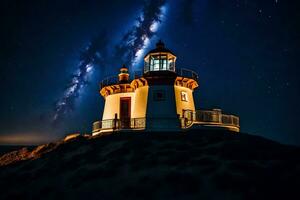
(93,55)
(129,49)
(134,41)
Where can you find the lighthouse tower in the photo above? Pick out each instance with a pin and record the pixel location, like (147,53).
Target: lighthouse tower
(161,99)
(169,94)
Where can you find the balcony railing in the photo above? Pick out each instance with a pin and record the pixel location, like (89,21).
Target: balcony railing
(209,117)
(187,73)
(119,124)
(113,80)
(213,118)
(110,80)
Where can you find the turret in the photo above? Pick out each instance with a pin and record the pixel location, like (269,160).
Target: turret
(123,75)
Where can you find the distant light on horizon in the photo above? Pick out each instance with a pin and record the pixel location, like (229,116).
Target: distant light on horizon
(26,139)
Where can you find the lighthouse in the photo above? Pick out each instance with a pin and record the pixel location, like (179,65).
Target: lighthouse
(161,99)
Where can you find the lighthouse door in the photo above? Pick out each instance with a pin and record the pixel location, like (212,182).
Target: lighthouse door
(125,112)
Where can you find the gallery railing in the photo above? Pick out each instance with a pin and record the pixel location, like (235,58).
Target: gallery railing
(110,80)
(119,124)
(113,80)
(209,117)
(184,72)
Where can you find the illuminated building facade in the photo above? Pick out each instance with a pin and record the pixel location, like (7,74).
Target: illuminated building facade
(161,99)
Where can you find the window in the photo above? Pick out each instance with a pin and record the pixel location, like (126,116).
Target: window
(163,62)
(159,95)
(156,65)
(158,62)
(151,63)
(147,66)
(184,96)
(171,64)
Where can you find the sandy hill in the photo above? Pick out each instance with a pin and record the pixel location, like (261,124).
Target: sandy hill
(194,165)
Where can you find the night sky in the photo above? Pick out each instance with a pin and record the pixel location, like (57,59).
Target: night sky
(55,53)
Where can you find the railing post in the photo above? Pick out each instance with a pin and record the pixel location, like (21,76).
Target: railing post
(133,122)
(115,121)
(184,118)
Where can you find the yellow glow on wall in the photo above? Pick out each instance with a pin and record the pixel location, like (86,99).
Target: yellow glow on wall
(140,102)
(183,105)
(112,105)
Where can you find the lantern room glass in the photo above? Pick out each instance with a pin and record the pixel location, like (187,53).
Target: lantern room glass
(159,62)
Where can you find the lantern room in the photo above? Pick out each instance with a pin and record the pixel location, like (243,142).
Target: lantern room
(159,59)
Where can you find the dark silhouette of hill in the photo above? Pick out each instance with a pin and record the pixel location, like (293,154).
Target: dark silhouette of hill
(8,148)
(194,165)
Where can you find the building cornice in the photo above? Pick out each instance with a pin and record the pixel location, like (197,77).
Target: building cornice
(117,88)
(186,82)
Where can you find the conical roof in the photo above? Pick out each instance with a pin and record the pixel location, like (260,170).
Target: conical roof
(160,47)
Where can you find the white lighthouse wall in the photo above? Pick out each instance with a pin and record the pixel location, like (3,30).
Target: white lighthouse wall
(161,114)
(184,105)
(140,102)
(112,105)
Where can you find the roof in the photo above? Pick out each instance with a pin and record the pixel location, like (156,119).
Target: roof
(160,47)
